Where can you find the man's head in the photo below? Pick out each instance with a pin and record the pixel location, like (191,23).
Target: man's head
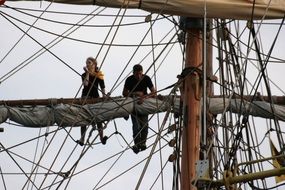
(138,71)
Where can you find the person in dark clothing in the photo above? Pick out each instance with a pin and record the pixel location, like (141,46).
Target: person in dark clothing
(92,78)
(136,86)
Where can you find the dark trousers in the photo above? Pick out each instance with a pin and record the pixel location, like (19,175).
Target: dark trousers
(140,128)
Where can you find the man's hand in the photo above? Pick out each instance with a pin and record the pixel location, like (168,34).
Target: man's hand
(138,93)
(140,100)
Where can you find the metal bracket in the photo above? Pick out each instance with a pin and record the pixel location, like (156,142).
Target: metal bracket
(188,22)
(202,167)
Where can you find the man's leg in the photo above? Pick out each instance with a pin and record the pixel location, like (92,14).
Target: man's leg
(136,130)
(136,134)
(144,131)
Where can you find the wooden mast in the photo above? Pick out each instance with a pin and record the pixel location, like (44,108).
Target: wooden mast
(191,130)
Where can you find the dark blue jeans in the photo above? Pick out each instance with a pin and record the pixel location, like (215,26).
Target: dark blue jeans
(140,129)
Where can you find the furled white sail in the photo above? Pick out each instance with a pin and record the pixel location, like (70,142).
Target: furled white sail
(233,9)
(74,115)
(256,108)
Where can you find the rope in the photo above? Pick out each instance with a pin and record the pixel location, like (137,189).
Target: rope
(158,121)
(70,12)
(28,178)
(248,132)
(33,24)
(3,180)
(34,159)
(43,47)
(80,40)
(127,170)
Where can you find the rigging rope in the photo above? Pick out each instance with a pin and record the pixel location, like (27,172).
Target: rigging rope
(249,131)
(30,27)
(12,158)
(155,84)
(84,25)
(79,40)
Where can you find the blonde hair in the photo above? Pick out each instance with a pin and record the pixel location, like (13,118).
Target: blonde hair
(92,59)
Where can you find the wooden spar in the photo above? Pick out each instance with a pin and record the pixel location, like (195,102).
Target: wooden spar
(51,101)
(191,130)
(279,100)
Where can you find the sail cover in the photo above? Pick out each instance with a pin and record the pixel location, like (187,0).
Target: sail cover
(71,115)
(256,108)
(80,115)
(232,9)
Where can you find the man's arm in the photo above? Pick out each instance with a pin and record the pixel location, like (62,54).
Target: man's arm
(152,92)
(125,92)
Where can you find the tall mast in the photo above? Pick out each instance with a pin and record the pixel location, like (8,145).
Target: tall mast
(192,119)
